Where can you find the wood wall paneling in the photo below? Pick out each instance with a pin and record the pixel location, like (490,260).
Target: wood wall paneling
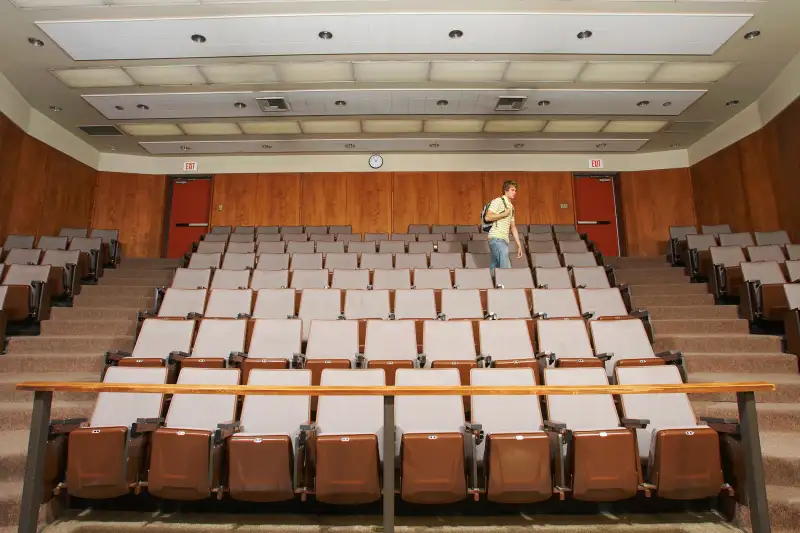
(238,196)
(135,204)
(323,199)
(278,200)
(11,140)
(28,190)
(460,197)
(719,193)
(369,202)
(787,176)
(547,191)
(759,157)
(415,199)
(68,194)
(650,202)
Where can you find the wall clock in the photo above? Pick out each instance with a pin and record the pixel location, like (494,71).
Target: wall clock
(375,161)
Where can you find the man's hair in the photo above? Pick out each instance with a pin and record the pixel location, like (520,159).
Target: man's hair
(508,184)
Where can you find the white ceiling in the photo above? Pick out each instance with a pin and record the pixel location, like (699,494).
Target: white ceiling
(133,64)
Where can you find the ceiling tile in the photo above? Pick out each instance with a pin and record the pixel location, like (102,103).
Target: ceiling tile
(150,130)
(330,126)
(618,71)
(41,4)
(514,126)
(391,71)
(166,75)
(211,128)
(555,71)
(272,127)
(391,126)
(316,71)
(692,72)
(468,71)
(240,73)
(94,77)
(446,125)
(635,126)
(575,126)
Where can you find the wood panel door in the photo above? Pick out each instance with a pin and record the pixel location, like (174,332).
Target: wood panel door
(596,210)
(190,210)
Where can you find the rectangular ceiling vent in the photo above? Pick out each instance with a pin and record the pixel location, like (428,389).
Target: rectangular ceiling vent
(271,105)
(100,131)
(688,127)
(511,103)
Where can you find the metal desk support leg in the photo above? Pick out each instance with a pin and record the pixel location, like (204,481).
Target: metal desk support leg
(753,463)
(388,464)
(33,489)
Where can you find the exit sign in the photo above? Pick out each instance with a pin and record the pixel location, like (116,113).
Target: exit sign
(595,163)
(190,166)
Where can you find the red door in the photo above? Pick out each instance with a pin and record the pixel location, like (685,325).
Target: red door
(596,211)
(189,214)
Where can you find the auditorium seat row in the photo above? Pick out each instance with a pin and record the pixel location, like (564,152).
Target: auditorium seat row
(415,229)
(683,239)
(106,241)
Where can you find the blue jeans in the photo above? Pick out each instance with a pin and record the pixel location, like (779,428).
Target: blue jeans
(499,253)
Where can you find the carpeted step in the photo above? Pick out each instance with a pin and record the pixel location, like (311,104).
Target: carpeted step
(669,289)
(771,416)
(692,312)
(646,300)
(784,509)
(781,457)
(94,313)
(739,343)
(139,302)
(89,327)
(52,362)
(69,344)
(13,452)
(17,415)
(10,497)
(648,276)
(142,262)
(8,381)
(118,291)
(129,273)
(787,386)
(136,282)
(689,325)
(752,363)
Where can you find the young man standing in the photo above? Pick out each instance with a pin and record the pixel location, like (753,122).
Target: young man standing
(501,214)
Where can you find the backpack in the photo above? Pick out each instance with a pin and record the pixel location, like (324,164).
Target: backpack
(486,227)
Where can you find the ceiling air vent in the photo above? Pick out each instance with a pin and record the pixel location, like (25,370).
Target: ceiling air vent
(100,131)
(687,127)
(270,105)
(510,103)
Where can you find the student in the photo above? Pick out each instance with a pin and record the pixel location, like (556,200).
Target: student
(501,215)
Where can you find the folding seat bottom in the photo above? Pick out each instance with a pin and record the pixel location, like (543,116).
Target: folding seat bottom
(54,465)
(604,465)
(17,303)
(520,363)
(183,464)
(203,362)
(260,468)
(347,469)
(773,302)
(518,468)
(103,462)
(575,362)
(261,363)
(433,468)
(687,464)
(390,367)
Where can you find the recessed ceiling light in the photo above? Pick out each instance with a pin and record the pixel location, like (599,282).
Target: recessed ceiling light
(585,34)
(643,103)
(519,145)
(543,103)
(456,34)
(752,35)
(119,108)
(325,35)
(112,148)
(666,104)
(442,103)
(185,148)
(340,103)
(143,107)
(38,43)
(601,145)
(349,145)
(434,145)
(239,105)
(266,146)
(55,109)
(732,103)
(199,39)
(675,145)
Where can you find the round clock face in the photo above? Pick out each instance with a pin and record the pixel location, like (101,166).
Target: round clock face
(376,161)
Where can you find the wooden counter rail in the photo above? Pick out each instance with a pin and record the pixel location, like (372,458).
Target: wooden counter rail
(755,487)
(541,390)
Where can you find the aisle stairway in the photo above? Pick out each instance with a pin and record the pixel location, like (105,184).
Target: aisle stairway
(715,342)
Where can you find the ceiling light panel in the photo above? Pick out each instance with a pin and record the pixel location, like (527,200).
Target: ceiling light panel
(453,126)
(542,71)
(316,71)
(575,126)
(272,127)
(514,126)
(468,71)
(692,72)
(391,71)
(211,128)
(635,126)
(150,130)
(43,4)
(391,126)
(387,33)
(618,72)
(330,126)
(94,77)
(166,75)
(240,74)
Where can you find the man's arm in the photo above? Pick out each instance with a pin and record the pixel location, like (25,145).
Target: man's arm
(515,233)
(492,216)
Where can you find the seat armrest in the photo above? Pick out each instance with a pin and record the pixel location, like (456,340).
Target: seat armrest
(194,316)
(65,426)
(291,317)
(542,286)
(588,315)
(225,430)
(243,315)
(361,361)
(145,425)
(178,356)
(539,315)
(237,358)
(392,316)
(483,360)
(550,356)
(298,360)
(605,356)
(422,360)
(634,423)
(306,431)
(671,356)
(116,355)
(581,287)
(341,317)
(554,426)
(146,314)
(722,425)
(640,313)
(441,316)
(490,316)
(476,430)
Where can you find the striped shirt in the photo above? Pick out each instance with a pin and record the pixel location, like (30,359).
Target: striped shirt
(500,228)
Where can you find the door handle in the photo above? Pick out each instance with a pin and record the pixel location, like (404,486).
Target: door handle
(595,222)
(192,225)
